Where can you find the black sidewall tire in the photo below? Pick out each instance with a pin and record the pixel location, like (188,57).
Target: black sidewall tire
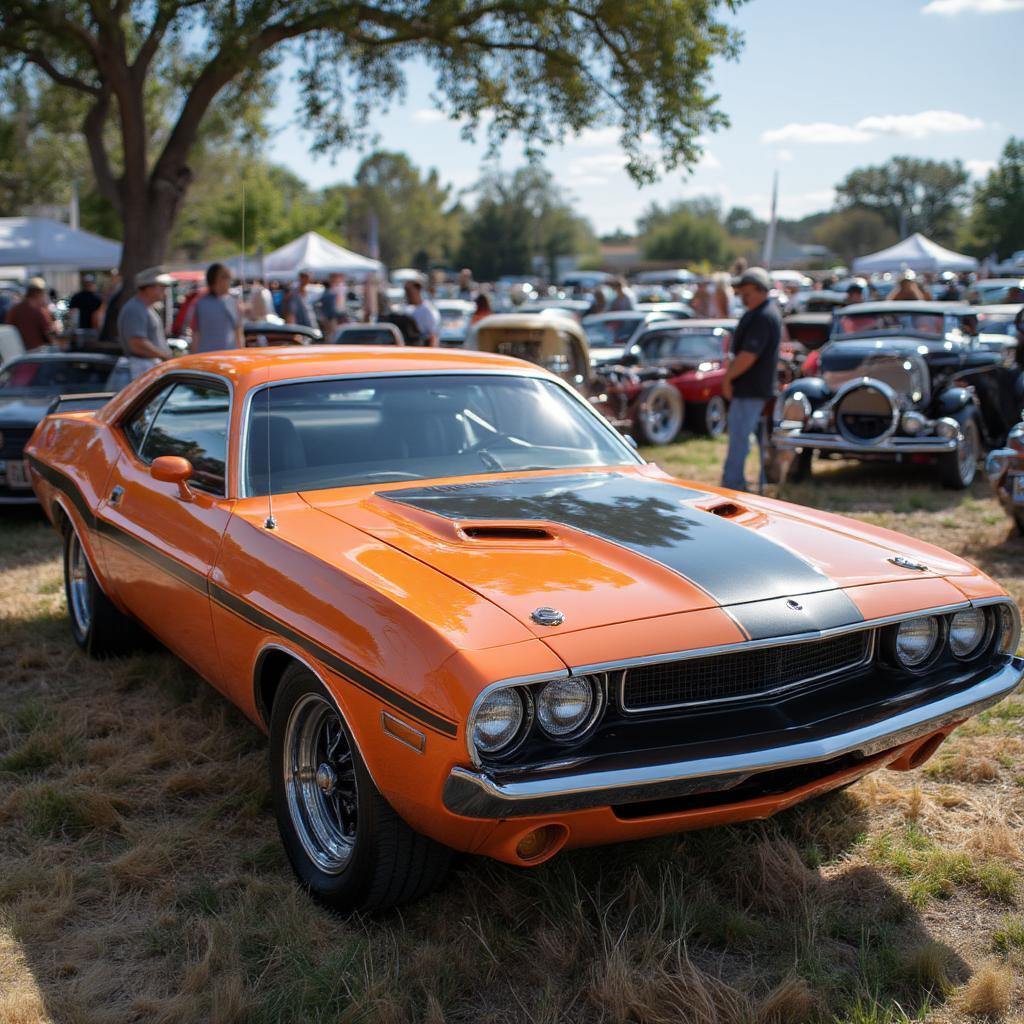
(949,464)
(82,637)
(390,863)
(679,411)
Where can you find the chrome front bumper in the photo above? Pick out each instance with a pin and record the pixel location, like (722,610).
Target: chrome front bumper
(477,794)
(791,440)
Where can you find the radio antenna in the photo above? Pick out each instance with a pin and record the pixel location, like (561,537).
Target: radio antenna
(270,523)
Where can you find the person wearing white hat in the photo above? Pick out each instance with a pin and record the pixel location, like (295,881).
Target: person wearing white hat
(139,328)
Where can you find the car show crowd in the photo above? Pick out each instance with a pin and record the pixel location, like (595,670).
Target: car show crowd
(737,351)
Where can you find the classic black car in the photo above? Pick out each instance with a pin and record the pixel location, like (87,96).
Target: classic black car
(28,387)
(902,381)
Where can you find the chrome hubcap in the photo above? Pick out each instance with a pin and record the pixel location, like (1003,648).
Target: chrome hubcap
(659,418)
(78,586)
(715,416)
(320,781)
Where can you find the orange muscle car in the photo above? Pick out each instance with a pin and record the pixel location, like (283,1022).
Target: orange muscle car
(470,617)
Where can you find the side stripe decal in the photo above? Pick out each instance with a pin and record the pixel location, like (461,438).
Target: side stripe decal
(198,581)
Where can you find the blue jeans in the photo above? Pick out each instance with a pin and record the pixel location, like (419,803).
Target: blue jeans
(744,416)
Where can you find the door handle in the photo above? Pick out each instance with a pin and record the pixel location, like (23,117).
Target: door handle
(115,495)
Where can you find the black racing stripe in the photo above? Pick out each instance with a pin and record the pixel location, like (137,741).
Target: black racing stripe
(200,582)
(398,700)
(732,563)
(802,613)
(68,487)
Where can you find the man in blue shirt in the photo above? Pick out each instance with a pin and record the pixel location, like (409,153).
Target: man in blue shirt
(750,377)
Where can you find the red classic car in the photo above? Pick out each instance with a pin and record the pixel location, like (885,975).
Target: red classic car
(690,354)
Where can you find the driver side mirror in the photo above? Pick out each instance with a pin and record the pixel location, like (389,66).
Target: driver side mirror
(173,469)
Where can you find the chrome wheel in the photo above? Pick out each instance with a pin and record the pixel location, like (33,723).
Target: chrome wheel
(968,451)
(320,782)
(79,592)
(660,414)
(716,416)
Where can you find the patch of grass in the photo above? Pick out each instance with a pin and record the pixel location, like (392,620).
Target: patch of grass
(1009,935)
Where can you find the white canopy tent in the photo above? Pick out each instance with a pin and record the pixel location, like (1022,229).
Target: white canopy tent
(916,253)
(40,244)
(320,256)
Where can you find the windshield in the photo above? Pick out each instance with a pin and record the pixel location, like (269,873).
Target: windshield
(449,315)
(67,376)
(848,324)
(334,433)
(609,333)
(681,346)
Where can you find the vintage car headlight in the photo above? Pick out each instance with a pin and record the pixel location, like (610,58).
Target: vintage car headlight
(498,720)
(796,411)
(1015,439)
(567,706)
(916,640)
(821,420)
(948,428)
(967,632)
(913,423)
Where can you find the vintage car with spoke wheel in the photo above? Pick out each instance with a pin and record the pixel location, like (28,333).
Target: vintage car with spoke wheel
(901,381)
(471,618)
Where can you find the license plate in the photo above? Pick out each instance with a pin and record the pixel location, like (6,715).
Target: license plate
(1018,489)
(17,474)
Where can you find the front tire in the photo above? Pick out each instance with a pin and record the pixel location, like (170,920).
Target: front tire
(97,626)
(659,414)
(346,845)
(958,468)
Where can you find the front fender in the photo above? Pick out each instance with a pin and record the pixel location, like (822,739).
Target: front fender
(953,400)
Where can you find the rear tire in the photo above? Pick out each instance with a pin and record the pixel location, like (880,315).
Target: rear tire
(659,414)
(710,418)
(97,626)
(346,845)
(958,469)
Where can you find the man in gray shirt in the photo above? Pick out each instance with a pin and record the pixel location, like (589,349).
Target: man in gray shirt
(215,320)
(296,308)
(139,328)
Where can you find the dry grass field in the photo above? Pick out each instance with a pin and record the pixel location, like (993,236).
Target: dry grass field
(141,877)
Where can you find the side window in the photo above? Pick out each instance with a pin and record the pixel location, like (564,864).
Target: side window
(193,423)
(137,425)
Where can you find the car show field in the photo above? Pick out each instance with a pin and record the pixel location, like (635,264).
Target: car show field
(144,880)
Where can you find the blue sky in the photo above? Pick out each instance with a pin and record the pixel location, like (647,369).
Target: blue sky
(821,86)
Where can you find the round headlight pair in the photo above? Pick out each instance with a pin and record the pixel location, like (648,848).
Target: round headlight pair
(917,640)
(563,708)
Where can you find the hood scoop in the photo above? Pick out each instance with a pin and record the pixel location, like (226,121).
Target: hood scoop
(498,532)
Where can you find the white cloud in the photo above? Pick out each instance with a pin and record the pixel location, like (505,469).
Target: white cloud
(428,115)
(949,7)
(817,131)
(597,137)
(867,129)
(784,156)
(708,161)
(979,168)
(919,126)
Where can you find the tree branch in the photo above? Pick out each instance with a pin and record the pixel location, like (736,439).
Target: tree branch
(92,128)
(42,62)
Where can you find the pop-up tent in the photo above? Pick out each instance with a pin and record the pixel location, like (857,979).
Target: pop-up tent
(316,254)
(915,253)
(39,244)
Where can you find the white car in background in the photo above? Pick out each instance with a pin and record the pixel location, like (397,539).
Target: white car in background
(456,315)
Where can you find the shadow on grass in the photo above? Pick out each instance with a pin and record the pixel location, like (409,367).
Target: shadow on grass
(26,537)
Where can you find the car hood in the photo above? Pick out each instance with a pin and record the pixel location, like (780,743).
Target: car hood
(25,409)
(605,547)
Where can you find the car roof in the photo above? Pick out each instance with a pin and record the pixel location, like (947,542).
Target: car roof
(906,306)
(622,314)
(690,323)
(1002,308)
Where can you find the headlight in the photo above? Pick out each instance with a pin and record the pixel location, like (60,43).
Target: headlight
(913,423)
(566,706)
(498,720)
(967,632)
(916,640)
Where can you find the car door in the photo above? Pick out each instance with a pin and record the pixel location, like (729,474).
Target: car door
(161,544)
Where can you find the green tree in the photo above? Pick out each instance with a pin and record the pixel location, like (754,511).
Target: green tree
(854,232)
(415,226)
(519,219)
(996,221)
(743,223)
(910,194)
(686,232)
(540,69)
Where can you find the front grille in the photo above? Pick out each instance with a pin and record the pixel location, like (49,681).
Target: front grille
(742,674)
(13,441)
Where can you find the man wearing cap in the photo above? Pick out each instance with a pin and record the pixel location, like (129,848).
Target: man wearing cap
(750,378)
(87,302)
(139,328)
